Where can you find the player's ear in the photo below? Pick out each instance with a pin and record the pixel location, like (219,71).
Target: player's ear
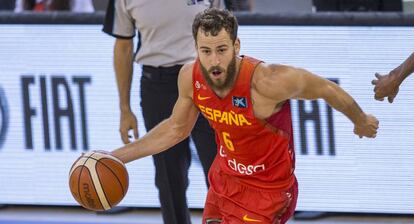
(237,46)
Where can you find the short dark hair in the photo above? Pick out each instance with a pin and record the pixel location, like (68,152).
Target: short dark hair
(213,20)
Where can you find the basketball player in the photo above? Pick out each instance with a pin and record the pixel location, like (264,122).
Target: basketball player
(388,85)
(246,101)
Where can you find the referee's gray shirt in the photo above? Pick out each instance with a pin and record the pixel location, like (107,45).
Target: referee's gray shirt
(164,29)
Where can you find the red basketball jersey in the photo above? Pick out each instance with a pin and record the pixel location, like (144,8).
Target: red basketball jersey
(257,152)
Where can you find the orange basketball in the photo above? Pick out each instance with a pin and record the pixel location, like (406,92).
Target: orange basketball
(98,181)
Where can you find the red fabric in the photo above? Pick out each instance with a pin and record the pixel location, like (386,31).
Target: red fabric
(239,204)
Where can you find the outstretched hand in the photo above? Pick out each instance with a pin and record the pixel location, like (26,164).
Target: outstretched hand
(368,127)
(385,86)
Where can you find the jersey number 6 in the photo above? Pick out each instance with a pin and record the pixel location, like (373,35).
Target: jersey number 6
(227,141)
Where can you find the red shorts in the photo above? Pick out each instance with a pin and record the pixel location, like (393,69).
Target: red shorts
(238,203)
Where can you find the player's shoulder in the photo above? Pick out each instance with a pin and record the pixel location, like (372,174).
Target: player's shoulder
(186,72)
(268,71)
(274,68)
(188,67)
(185,78)
(269,76)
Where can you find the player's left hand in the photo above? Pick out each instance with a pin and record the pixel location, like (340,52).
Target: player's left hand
(368,127)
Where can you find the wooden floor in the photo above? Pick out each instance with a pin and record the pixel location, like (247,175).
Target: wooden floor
(75,215)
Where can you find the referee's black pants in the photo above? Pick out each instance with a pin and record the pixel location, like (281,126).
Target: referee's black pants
(159,92)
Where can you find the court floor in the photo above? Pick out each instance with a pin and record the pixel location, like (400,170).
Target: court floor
(76,215)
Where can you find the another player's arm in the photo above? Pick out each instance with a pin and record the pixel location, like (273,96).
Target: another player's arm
(298,83)
(388,85)
(170,131)
(405,69)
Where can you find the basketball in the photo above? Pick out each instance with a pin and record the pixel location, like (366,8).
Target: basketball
(98,181)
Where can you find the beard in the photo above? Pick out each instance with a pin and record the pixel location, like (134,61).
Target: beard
(221,84)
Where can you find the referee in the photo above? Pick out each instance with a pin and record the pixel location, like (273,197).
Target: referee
(165,43)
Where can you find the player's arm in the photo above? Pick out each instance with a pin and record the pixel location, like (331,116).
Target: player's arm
(169,132)
(284,82)
(388,85)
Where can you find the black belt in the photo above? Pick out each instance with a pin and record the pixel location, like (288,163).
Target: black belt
(158,73)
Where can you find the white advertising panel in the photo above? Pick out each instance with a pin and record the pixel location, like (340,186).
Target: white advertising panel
(58,98)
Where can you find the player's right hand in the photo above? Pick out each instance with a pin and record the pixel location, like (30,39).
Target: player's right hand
(128,122)
(368,127)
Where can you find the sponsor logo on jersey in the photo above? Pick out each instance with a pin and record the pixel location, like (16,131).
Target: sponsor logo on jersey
(247,219)
(197,85)
(199,97)
(240,167)
(240,102)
